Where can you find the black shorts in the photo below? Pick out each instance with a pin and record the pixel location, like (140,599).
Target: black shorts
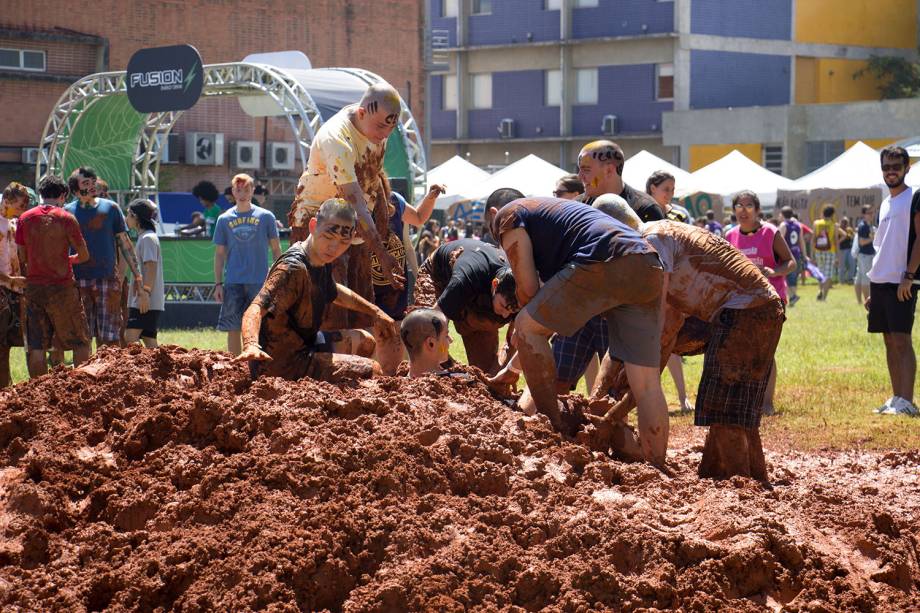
(146,323)
(887,313)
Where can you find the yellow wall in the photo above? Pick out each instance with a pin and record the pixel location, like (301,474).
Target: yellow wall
(828,80)
(875,143)
(879,23)
(701,155)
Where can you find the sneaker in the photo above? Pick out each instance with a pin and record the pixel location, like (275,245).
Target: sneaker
(881,410)
(687,407)
(900,406)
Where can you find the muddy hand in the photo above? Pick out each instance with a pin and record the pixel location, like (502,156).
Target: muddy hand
(436,190)
(389,349)
(252,353)
(503,382)
(391,270)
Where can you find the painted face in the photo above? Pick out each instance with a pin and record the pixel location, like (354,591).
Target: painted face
(242,190)
(378,122)
(332,238)
(591,173)
(894,170)
(664,193)
(14,207)
(442,344)
(86,186)
(745,210)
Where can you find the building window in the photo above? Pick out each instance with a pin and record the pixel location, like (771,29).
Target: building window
(664,82)
(482,7)
(22,59)
(586,86)
(820,152)
(449,92)
(481,85)
(552,94)
(552,5)
(450,8)
(584,4)
(773,158)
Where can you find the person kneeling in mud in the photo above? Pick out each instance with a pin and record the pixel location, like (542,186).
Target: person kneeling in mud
(427,340)
(281,328)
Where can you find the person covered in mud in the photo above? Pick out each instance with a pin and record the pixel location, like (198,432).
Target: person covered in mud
(707,279)
(471,283)
(590,265)
(15,201)
(282,335)
(425,334)
(346,161)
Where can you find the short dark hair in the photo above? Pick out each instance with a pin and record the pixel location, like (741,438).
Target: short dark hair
(146,213)
(571,183)
(828,211)
(657,178)
(336,208)
(73,182)
(866,208)
(746,193)
(501,197)
(710,214)
(52,186)
(207,191)
(895,152)
(506,286)
(787,212)
(419,325)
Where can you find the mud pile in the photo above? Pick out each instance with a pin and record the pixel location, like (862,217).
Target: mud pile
(164,479)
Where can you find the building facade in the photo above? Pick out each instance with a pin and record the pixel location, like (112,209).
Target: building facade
(689,80)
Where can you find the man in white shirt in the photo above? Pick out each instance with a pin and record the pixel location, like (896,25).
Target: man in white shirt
(893,280)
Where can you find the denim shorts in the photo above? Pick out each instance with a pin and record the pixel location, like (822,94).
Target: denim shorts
(237,298)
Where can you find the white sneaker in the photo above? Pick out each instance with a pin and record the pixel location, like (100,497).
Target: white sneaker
(881,410)
(900,406)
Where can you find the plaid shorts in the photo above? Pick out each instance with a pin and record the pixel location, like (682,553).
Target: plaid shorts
(737,365)
(827,262)
(101,300)
(573,353)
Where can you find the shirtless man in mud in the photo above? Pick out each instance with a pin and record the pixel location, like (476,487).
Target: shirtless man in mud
(471,283)
(425,334)
(346,161)
(590,265)
(709,280)
(282,333)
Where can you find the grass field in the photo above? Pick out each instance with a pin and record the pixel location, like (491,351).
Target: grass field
(831,375)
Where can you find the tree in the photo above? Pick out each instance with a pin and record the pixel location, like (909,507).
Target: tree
(898,77)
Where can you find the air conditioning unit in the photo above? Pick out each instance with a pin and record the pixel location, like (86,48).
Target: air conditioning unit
(204,148)
(610,125)
(245,154)
(30,155)
(170,147)
(280,156)
(506,128)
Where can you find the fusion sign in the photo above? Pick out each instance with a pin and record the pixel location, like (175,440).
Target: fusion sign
(163,79)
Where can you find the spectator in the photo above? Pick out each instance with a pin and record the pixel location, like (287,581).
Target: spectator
(44,237)
(228,194)
(427,339)
(701,222)
(791,230)
(207,195)
(145,308)
(243,236)
(198,227)
(429,240)
(569,187)
(102,188)
(765,247)
(712,225)
(893,280)
(826,232)
(15,202)
(865,233)
(102,225)
(660,186)
(846,265)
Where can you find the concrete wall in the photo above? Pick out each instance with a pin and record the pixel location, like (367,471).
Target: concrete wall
(720,79)
(627,92)
(770,19)
(623,18)
(879,23)
(514,21)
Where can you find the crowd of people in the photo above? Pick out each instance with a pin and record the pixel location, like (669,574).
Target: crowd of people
(598,280)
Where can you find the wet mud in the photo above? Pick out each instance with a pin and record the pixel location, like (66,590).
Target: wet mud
(167,480)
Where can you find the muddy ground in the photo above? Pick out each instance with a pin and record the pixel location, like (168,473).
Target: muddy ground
(165,480)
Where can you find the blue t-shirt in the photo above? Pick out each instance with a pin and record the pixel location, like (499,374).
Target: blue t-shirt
(99,225)
(864,230)
(246,237)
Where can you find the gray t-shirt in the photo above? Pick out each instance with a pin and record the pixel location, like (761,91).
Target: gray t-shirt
(148,250)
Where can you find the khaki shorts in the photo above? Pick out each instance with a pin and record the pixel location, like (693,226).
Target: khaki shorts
(626,290)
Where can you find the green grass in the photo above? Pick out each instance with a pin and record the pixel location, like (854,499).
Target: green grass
(831,374)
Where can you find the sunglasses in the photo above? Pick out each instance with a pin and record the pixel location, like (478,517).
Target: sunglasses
(892,167)
(559,193)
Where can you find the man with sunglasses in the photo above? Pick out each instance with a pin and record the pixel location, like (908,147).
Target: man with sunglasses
(894,279)
(282,334)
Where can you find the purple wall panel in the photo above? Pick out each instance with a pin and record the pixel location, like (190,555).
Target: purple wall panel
(623,18)
(443,123)
(516,95)
(627,92)
(719,79)
(514,21)
(744,18)
(439,22)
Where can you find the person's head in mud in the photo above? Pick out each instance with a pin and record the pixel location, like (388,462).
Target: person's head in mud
(660,186)
(15,200)
(504,294)
(425,334)
(895,165)
(600,168)
(331,231)
(53,190)
(619,209)
(569,187)
(82,184)
(496,201)
(746,205)
(378,112)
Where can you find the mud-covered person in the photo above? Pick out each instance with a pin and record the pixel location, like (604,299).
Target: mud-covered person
(425,334)
(709,280)
(282,333)
(102,225)
(346,161)
(590,264)
(471,283)
(15,201)
(45,235)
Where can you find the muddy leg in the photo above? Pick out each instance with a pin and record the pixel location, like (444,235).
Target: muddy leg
(538,365)
(5,377)
(758,461)
(481,349)
(730,445)
(337,367)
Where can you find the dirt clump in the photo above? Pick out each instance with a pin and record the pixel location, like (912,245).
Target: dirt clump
(166,480)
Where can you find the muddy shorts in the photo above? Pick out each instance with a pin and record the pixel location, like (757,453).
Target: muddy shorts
(301,364)
(737,364)
(10,318)
(102,305)
(54,317)
(572,354)
(626,290)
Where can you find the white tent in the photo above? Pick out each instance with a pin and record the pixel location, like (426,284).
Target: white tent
(639,167)
(856,168)
(458,176)
(531,175)
(913,177)
(736,172)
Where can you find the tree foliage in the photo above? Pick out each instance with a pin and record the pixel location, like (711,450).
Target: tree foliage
(898,77)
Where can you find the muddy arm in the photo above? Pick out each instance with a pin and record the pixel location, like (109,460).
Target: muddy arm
(519,248)
(353,302)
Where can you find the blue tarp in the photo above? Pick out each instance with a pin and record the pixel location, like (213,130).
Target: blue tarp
(177,207)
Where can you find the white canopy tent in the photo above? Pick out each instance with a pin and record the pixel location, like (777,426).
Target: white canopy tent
(458,176)
(856,168)
(531,175)
(736,172)
(639,167)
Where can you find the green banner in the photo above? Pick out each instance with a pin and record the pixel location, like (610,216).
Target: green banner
(191,260)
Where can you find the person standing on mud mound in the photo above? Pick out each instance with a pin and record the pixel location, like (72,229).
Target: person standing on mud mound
(590,265)
(470,282)
(282,335)
(45,235)
(346,161)
(102,225)
(709,280)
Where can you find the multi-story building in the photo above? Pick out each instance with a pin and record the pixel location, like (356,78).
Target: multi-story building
(689,80)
